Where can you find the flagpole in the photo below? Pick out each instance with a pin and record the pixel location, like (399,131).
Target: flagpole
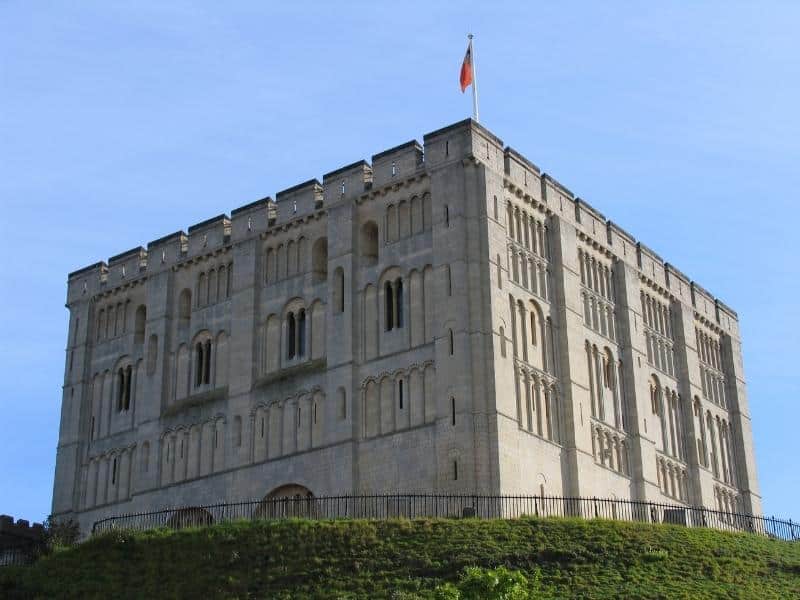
(474,81)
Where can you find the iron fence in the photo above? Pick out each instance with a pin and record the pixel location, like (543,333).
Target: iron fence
(387,506)
(19,555)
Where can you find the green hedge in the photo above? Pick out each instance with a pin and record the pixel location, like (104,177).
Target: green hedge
(408,559)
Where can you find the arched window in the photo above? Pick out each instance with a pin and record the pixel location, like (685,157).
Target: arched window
(398,290)
(202,290)
(391,223)
(400,393)
(369,242)
(184,306)
(207,364)
(120,388)
(393,304)
(388,294)
(301,333)
(502,341)
(291,335)
(202,362)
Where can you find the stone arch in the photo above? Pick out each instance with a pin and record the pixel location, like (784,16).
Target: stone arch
(294,330)
(184,307)
(317,336)
(417,221)
(201,363)
(220,376)
(280,262)
(319,259)
(539,336)
(403,219)
(391,224)
(371,409)
(302,251)
(368,242)
(392,296)
(285,501)
(427,211)
(371,321)
(213,286)
(122,384)
(140,321)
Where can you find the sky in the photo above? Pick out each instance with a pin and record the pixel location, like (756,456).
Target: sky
(121,122)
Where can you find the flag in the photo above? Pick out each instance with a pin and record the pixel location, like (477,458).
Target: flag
(466,69)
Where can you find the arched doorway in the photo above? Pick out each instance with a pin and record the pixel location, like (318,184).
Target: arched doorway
(286,501)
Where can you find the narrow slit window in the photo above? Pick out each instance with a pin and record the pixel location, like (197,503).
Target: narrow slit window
(400,393)
(453,411)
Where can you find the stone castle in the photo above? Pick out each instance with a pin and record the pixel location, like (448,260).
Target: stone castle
(445,319)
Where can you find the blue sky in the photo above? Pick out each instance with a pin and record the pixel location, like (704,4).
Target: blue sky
(121,122)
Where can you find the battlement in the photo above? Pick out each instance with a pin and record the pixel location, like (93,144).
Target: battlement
(464,140)
(21,529)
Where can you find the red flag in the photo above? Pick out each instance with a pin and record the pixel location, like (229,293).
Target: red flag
(466,69)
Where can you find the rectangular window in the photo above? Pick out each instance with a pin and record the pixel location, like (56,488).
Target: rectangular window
(400,393)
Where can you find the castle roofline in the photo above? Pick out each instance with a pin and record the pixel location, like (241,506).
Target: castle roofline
(298,187)
(359,163)
(510,151)
(212,221)
(463,124)
(91,267)
(256,204)
(410,144)
(137,251)
(180,234)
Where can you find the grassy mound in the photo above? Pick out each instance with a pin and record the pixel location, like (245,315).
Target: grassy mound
(408,559)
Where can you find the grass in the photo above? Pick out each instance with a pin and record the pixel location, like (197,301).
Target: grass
(386,559)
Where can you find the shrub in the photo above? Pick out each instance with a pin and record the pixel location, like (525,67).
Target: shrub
(60,533)
(487,584)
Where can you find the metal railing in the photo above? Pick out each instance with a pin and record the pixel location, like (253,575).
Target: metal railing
(19,555)
(387,506)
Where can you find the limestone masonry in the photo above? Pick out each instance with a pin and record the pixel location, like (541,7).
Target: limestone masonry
(446,319)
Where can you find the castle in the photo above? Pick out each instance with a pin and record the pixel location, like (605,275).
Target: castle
(444,319)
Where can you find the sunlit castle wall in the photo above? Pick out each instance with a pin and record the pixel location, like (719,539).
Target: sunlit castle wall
(445,319)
